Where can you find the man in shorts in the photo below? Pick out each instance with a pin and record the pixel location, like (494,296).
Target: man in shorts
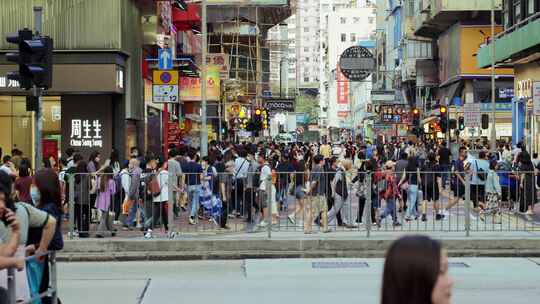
(317,190)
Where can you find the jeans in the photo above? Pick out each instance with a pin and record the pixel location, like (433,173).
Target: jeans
(194,193)
(412,196)
(136,205)
(283,197)
(390,209)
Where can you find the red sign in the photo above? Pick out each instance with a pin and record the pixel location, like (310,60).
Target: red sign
(342,92)
(173,133)
(50,148)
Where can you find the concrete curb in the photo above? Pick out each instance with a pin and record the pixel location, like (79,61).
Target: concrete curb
(159,250)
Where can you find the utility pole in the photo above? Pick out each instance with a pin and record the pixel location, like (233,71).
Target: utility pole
(493,104)
(204,126)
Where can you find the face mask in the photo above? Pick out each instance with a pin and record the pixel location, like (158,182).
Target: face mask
(35,195)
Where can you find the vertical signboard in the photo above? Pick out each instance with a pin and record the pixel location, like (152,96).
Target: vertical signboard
(536,97)
(342,94)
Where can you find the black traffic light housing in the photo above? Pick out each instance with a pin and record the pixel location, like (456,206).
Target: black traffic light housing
(415,112)
(443,118)
(485,121)
(452,124)
(461,123)
(34,59)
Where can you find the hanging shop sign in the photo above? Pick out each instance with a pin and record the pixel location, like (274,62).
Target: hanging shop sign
(86,133)
(393,113)
(356,63)
(536,97)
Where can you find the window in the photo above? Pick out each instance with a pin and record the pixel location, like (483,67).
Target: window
(356,20)
(306,79)
(343,20)
(306,59)
(325,7)
(353,37)
(516,11)
(371,20)
(343,37)
(305,19)
(306,49)
(306,30)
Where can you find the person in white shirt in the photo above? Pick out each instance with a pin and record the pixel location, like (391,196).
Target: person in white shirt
(265,178)
(8,166)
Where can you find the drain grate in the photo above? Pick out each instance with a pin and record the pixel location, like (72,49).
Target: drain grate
(458,265)
(338,265)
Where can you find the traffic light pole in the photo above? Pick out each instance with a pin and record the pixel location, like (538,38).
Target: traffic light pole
(37,92)
(38,127)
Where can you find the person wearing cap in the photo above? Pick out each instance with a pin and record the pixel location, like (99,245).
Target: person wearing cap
(390,194)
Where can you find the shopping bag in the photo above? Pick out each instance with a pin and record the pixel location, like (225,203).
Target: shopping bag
(34,272)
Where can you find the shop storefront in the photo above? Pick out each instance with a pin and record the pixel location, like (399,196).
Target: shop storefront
(78,111)
(525,125)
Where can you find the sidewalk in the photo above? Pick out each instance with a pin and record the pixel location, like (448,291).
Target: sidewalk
(292,245)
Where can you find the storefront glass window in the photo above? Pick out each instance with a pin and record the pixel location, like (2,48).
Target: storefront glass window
(18,124)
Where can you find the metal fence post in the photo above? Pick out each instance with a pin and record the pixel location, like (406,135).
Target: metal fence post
(367,207)
(11,286)
(71,205)
(269,202)
(467,205)
(171,203)
(53,277)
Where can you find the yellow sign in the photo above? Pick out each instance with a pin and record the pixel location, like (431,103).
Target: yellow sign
(190,87)
(472,38)
(165,77)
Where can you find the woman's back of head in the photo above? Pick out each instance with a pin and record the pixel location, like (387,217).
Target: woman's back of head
(411,270)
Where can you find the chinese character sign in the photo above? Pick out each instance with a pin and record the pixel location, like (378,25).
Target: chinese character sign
(86,133)
(190,87)
(342,91)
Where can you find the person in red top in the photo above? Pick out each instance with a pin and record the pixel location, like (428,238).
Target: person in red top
(390,194)
(22,184)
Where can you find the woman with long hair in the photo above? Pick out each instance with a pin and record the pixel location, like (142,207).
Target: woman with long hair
(45,193)
(22,185)
(411,176)
(527,189)
(106,189)
(416,272)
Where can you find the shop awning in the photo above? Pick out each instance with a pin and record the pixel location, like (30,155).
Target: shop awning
(188,19)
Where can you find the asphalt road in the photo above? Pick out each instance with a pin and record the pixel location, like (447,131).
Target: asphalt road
(478,280)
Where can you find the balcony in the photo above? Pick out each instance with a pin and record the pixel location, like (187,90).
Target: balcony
(518,44)
(440,15)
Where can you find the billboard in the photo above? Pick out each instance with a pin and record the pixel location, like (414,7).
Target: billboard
(342,94)
(458,48)
(190,87)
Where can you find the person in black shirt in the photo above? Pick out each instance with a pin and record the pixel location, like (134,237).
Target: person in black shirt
(444,162)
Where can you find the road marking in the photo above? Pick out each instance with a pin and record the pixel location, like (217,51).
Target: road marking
(140,299)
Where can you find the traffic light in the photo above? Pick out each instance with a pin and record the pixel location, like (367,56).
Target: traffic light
(485,121)
(34,58)
(415,117)
(461,123)
(443,118)
(452,124)
(258,120)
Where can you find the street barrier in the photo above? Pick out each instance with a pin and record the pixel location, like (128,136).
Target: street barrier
(286,201)
(50,272)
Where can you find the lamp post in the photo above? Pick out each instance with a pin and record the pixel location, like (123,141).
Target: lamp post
(204,126)
(493,104)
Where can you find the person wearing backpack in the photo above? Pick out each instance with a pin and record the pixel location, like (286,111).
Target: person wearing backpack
(479,169)
(390,194)
(431,185)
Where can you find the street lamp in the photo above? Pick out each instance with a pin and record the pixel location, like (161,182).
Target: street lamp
(493,105)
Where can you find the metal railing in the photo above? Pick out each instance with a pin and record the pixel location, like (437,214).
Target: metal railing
(223,202)
(52,290)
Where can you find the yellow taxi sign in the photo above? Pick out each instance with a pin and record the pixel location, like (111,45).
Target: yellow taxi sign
(165,77)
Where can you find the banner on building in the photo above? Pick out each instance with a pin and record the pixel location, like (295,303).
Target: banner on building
(342,92)
(190,87)
(221,61)
(536,97)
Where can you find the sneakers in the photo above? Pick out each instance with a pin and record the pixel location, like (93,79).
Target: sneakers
(116,223)
(424,218)
(439,217)
(445,212)
(397,224)
(291,219)
(350,226)
(263,224)
(191,220)
(473,217)
(148,234)
(139,226)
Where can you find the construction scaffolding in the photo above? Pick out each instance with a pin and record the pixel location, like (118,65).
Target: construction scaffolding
(241,32)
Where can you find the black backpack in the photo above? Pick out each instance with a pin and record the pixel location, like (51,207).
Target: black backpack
(482,175)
